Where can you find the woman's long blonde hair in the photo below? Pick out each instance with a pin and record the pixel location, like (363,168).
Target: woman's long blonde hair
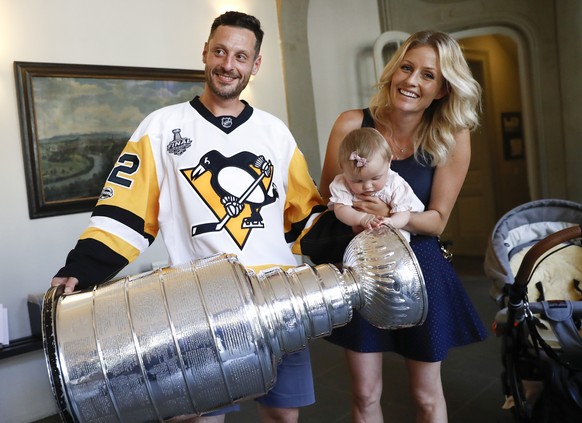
(457,110)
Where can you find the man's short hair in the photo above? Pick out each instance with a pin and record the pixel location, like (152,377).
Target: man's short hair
(240,20)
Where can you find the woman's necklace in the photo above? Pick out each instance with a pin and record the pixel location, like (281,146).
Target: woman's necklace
(400,149)
(397,150)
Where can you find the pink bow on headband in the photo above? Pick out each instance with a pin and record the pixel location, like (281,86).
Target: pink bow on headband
(360,161)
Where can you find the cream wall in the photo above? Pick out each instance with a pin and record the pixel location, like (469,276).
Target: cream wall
(340,34)
(146,33)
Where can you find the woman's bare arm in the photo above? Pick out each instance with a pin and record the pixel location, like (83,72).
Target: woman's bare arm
(446,185)
(346,122)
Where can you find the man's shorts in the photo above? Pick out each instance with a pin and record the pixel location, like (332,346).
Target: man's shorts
(293,387)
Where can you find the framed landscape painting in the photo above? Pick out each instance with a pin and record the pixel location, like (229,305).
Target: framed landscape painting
(76,119)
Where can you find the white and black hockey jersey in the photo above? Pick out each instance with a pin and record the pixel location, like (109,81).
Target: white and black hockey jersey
(209,184)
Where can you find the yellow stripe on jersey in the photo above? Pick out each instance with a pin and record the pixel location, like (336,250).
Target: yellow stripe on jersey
(117,244)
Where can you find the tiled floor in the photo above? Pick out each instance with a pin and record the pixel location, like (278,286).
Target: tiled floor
(471,374)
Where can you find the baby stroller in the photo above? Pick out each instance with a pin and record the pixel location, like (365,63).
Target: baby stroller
(534,260)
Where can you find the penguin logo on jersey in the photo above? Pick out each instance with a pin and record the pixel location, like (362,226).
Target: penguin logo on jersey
(235,189)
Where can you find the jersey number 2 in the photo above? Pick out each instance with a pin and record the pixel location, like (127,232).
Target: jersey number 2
(127,166)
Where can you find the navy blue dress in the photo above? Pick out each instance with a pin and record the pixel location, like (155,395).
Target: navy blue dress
(451,319)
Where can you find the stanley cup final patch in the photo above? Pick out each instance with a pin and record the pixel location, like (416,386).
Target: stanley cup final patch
(178,145)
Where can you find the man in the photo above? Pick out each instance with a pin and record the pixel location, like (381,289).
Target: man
(213,175)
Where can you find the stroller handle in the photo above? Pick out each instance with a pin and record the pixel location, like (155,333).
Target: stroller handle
(531,257)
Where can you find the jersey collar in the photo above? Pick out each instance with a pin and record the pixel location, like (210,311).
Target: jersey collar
(225,123)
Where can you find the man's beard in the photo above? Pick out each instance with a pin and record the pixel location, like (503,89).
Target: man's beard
(226,93)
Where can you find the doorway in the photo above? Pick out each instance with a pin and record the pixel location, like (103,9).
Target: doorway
(473,217)
(498,175)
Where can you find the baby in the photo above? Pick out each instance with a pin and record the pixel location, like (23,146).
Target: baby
(365,158)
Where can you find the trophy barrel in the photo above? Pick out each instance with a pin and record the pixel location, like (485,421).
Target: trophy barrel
(183,340)
(175,341)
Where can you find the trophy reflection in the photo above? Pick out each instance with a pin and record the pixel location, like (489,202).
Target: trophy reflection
(194,338)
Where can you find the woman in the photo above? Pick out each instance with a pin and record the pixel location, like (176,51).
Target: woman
(425,107)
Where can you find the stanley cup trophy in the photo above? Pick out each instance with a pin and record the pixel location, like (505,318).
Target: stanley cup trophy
(189,339)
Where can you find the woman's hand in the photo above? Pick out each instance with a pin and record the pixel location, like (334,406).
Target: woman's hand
(371,205)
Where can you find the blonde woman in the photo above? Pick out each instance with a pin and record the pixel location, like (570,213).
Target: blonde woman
(425,107)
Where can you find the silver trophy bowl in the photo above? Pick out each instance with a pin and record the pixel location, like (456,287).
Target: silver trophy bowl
(186,340)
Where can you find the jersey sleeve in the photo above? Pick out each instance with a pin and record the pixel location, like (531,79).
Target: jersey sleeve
(303,202)
(311,227)
(124,222)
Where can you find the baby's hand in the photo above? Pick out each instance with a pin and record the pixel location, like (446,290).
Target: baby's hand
(370,221)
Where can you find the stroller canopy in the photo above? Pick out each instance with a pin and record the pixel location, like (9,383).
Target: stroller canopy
(522,227)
